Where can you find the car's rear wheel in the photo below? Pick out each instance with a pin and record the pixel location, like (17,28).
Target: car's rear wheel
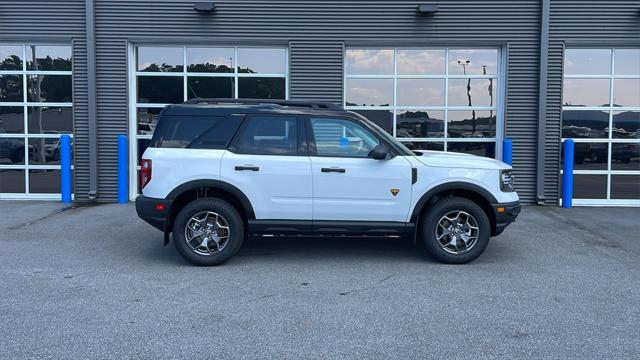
(208,231)
(455,230)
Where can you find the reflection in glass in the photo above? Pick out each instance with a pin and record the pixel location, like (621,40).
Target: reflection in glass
(143,144)
(262,61)
(627,61)
(486,149)
(45,151)
(472,124)
(49,57)
(369,92)
(50,120)
(420,92)
(586,92)
(12,151)
(369,62)
(473,62)
(590,156)
(424,145)
(625,187)
(382,118)
(11,180)
(625,156)
(10,57)
(11,88)
(587,62)
(11,119)
(261,88)
(585,124)
(147,120)
(211,60)
(420,62)
(160,89)
(589,186)
(49,88)
(159,59)
(420,124)
(626,92)
(44,181)
(472,92)
(626,125)
(210,87)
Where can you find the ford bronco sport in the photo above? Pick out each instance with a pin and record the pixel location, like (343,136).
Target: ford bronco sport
(218,170)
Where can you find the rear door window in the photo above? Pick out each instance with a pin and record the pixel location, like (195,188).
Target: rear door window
(268,135)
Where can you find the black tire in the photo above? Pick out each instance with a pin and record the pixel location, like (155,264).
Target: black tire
(429,223)
(18,156)
(228,212)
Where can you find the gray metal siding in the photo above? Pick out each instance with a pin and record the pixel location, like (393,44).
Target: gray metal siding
(60,22)
(574,23)
(315,31)
(315,70)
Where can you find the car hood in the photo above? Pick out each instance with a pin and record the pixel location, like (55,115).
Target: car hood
(459,160)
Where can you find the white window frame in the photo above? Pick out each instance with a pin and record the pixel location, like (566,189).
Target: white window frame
(394,108)
(133,74)
(608,201)
(25,136)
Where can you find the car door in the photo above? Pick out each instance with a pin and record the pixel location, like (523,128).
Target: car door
(347,183)
(268,162)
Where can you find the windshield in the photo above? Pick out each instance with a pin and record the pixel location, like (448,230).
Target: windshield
(388,138)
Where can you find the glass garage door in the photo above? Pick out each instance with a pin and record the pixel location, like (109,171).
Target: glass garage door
(35,109)
(601,112)
(430,99)
(164,75)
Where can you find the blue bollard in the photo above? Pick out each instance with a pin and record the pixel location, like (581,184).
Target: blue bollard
(507,151)
(65,168)
(123,169)
(567,174)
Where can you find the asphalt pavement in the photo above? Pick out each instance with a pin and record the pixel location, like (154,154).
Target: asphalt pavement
(96,282)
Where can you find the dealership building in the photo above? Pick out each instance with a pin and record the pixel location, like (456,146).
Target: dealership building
(448,75)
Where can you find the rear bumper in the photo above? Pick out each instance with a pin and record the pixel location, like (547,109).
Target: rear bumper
(148,209)
(506,217)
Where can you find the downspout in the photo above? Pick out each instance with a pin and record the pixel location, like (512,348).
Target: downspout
(542,100)
(91,99)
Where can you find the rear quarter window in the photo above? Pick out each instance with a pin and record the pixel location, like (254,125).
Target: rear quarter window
(196,132)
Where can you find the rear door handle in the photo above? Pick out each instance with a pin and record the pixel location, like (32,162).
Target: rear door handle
(333,169)
(247,168)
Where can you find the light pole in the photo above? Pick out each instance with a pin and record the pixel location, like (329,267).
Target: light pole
(464,63)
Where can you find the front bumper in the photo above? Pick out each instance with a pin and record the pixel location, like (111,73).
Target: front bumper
(505,217)
(153,211)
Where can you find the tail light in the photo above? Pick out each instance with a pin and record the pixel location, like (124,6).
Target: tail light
(145,172)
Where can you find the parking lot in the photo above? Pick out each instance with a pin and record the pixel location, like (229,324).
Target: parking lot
(95,282)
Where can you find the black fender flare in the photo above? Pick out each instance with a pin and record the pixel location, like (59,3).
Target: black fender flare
(215,184)
(456,185)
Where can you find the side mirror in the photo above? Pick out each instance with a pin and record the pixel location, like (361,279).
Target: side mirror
(380,152)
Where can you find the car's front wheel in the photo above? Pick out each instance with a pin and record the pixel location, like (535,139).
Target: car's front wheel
(208,231)
(455,230)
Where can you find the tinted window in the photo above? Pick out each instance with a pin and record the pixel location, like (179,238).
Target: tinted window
(202,132)
(342,138)
(268,135)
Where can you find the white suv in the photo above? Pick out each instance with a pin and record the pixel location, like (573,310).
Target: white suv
(218,170)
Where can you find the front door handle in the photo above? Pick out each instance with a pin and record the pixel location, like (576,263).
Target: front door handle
(333,169)
(247,168)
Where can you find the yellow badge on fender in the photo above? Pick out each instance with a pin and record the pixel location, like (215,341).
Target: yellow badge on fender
(395,192)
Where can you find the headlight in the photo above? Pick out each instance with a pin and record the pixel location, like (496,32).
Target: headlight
(507,181)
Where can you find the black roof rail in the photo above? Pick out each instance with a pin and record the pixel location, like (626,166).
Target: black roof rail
(294,103)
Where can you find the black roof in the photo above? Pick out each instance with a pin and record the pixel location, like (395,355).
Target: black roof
(208,107)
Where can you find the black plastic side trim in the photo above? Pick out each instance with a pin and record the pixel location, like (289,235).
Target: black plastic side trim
(456,185)
(329,228)
(215,184)
(414,175)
